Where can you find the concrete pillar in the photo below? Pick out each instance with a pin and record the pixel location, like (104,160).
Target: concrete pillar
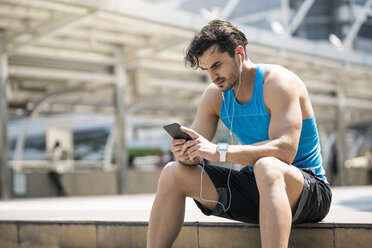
(341,132)
(120,148)
(5,173)
(285,13)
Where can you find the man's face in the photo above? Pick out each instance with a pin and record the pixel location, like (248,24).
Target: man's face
(222,69)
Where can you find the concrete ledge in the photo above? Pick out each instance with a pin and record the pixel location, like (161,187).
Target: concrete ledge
(8,235)
(102,234)
(93,222)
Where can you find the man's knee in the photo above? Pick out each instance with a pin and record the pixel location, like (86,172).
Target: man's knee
(174,174)
(268,172)
(169,172)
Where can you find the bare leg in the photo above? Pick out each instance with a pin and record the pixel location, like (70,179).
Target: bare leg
(167,216)
(176,182)
(280,187)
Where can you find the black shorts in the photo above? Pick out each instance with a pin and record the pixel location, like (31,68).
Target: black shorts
(313,205)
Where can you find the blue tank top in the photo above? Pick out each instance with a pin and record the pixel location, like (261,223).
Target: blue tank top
(251,125)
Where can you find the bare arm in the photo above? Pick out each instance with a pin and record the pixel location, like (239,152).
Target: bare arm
(281,96)
(205,124)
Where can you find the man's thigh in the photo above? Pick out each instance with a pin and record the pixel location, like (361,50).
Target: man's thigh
(189,178)
(238,195)
(294,181)
(268,169)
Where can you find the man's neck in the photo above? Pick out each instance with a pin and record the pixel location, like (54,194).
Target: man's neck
(247,83)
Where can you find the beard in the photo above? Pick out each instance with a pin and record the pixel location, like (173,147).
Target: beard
(232,81)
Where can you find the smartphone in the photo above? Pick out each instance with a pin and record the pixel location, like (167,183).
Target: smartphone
(175,131)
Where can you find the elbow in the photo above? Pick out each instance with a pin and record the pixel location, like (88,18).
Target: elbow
(287,151)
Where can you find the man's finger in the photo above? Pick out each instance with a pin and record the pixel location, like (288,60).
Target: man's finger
(189,131)
(186,146)
(178,141)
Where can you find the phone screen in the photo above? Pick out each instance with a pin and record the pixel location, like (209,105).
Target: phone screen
(175,131)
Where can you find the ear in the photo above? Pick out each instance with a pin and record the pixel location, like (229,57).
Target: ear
(240,51)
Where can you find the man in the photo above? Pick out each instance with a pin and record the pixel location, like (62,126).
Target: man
(268,108)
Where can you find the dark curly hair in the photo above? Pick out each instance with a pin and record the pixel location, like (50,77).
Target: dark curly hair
(220,32)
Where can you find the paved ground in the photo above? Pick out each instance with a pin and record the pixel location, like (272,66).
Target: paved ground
(350,205)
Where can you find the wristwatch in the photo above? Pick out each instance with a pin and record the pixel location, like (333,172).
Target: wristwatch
(222,149)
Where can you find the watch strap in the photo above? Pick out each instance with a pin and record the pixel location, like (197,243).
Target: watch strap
(222,150)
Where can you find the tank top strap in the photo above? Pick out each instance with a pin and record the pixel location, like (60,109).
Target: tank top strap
(258,88)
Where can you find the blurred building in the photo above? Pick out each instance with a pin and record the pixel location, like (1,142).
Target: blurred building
(347,25)
(120,63)
(349,20)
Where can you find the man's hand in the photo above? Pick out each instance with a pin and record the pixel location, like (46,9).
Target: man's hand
(176,148)
(198,147)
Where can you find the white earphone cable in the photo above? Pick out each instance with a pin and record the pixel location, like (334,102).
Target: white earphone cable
(225,209)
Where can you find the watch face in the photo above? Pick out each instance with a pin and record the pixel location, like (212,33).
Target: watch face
(223,146)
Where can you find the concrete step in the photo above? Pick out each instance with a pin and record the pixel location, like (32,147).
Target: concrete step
(121,221)
(101,234)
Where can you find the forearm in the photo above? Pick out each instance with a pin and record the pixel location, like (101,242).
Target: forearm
(249,154)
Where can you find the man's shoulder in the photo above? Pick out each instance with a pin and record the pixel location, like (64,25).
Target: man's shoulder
(212,92)
(213,89)
(211,98)
(280,85)
(279,77)
(278,73)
